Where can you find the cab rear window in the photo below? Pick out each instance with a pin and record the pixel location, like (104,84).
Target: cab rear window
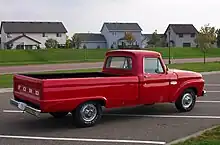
(119,62)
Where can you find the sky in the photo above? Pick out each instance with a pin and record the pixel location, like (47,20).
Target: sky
(89,15)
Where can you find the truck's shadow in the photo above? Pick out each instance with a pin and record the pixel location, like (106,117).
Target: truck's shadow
(48,123)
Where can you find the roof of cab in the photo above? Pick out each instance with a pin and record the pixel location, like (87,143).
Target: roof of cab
(135,52)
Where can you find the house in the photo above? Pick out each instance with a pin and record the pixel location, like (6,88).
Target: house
(31,35)
(112,36)
(115,33)
(91,40)
(181,35)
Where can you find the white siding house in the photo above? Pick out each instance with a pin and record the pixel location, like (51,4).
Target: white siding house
(114,33)
(111,36)
(30,35)
(181,35)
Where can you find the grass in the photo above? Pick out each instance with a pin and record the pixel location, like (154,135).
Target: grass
(49,56)
(211,137)
(6,80)
(23,57)
(198,67)
(187,52)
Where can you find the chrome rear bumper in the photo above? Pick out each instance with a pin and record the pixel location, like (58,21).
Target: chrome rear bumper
(25,108)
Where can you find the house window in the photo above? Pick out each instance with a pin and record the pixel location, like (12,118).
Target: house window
(180,35)
(193,35)
(58,35)
(9,36)
(44,35)
(114,33)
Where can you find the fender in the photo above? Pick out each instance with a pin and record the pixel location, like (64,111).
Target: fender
(193,83)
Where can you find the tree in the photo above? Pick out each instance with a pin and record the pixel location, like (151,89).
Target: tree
(76,42)
(218,38)
(129,37)
(68,43)
(205,38)
(51,43)
(154,39)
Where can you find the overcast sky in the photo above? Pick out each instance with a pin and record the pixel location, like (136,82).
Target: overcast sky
(89,15)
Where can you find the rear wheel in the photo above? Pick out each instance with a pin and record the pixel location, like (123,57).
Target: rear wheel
(87,114)
(59,114)
(186,101)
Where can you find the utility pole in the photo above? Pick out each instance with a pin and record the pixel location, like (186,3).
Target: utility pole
(169,46)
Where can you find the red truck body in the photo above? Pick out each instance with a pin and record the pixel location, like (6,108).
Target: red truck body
(143,79)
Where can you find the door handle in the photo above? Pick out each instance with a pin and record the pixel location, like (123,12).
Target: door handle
(145,76)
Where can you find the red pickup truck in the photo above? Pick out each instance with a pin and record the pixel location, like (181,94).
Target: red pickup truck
(128,78)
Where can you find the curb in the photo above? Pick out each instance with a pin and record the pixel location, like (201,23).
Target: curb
(6,90)
(209,73)
(191,136)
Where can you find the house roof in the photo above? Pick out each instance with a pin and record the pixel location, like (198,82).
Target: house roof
(91,37)
(122,26)
(33,27)
(149,36)
(182,28)
(16,38)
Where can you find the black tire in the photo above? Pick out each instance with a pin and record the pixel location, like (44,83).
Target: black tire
(184,107)
(80,121)
(59,114)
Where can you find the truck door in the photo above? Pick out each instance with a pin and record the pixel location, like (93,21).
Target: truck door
(154,84)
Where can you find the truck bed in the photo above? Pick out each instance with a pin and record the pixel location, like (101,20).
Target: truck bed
(69,75)
(64,91)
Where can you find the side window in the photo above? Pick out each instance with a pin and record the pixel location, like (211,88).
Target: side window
(152,65)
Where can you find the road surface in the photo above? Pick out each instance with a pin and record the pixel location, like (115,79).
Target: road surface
(164,126)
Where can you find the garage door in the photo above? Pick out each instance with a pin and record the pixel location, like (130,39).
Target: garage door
(186,44)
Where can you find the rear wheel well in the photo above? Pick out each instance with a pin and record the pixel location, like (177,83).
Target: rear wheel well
(99,101)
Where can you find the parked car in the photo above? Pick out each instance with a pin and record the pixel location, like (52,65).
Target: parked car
(128,78)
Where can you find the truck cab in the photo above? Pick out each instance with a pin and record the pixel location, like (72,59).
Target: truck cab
(157,83)
(128,78)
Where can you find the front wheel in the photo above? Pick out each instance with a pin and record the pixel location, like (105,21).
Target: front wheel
(186,101)
(87,114)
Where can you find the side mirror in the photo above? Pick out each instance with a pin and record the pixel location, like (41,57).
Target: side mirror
(167,68)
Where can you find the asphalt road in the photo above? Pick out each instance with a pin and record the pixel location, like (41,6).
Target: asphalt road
(68,66)
(162,125)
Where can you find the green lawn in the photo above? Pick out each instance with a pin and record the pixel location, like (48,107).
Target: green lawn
(211,137)
(198,67)
(187,52)
(22,57)
(6,80)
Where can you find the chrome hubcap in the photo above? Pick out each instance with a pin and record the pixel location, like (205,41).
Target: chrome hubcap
(187,100)
(88,112)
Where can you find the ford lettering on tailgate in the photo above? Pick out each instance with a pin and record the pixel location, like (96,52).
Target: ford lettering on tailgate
(28,90)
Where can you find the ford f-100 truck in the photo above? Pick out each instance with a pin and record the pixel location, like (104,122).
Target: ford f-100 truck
(128,78)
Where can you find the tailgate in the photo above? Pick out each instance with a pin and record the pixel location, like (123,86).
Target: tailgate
(27,90)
